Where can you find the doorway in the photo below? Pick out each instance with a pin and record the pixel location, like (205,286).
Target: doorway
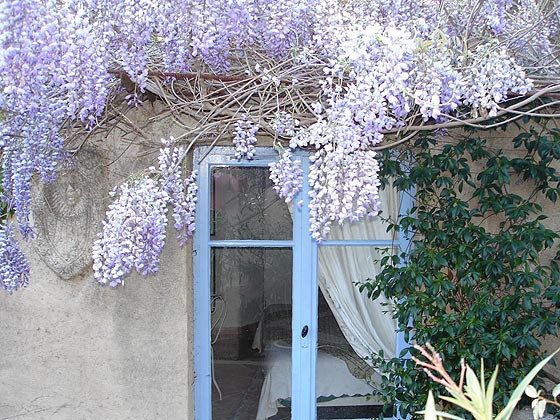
(271,327)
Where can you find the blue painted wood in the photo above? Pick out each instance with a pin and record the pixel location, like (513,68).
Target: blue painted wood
(405,245)
(201,286)
(305,297)
(305,292)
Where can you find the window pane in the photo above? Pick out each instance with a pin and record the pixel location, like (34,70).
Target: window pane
(244,205)
(351,327)
(251,333)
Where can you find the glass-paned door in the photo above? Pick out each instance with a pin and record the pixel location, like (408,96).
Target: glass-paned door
(246,257)
(281,330)
(251,332)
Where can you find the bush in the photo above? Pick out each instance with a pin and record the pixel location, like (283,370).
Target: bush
(473,290)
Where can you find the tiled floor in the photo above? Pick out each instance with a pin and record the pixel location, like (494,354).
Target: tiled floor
(240,386)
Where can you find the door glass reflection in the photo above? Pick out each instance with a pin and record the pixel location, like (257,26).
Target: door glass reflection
(244,205)
(251,333)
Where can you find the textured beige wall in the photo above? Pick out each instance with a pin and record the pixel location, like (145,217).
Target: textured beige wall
(74,350)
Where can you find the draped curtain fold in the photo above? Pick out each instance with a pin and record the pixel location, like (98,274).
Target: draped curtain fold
(366,324)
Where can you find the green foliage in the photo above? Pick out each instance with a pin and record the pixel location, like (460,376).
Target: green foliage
(473,280)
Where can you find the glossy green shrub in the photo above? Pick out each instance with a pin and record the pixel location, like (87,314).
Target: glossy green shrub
(473,281)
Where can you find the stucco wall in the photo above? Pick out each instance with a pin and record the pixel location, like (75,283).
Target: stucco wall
(74,350)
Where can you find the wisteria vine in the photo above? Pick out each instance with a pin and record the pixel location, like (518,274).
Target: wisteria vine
(14,270)
(134,233)
(337,78)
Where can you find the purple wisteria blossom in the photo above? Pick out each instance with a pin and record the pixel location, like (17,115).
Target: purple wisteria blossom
(50,69)
(197,32)
(14,269)
(134,233)
(285,124)
(494,76)
(244,138)
(386,63)
(181,192)
(287,176)
(381,75)
(344,188)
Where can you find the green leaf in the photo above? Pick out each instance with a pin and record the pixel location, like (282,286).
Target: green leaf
(488,407)
(442,414)
(475,391)
(430,410)
(464,404)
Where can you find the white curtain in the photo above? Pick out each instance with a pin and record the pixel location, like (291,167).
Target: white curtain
(366,324)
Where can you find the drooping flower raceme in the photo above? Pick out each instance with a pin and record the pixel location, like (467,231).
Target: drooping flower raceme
(244,138)
(381,75)
(134,233)
(52,68)
(14,269)
(181,192)
(344,188)
(494,75)
(285,124)
(287,176)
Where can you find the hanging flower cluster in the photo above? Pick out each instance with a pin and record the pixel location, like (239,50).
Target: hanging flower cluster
(392,72)
(287,176)
(197,32)
(386,63)
(134,233)
(14,269)
(181,192)
(52,67)
(285,124)
(381,75)
(244,138)
(352,188)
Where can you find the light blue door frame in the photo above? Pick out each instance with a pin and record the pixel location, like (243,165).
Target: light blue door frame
(304,301)
(304,279)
